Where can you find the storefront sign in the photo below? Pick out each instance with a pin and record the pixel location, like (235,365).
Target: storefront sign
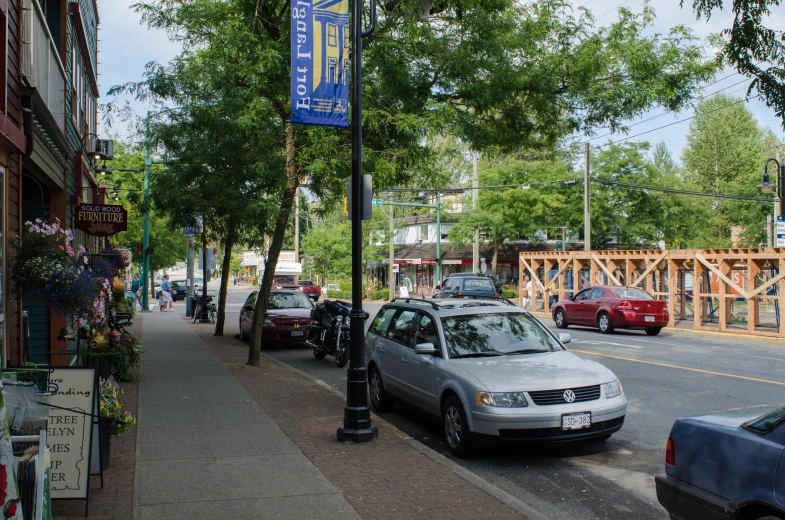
(101,220)
(69,431)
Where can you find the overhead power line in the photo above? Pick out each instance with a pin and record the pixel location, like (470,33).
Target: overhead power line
(745,100)
(683,192)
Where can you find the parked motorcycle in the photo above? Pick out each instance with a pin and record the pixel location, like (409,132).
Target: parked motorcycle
(330,334)
(205,310)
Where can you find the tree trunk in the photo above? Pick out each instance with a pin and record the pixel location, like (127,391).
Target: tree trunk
(225,268)
(260,311)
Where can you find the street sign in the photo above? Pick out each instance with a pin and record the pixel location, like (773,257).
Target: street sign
(780,231)
(376,202)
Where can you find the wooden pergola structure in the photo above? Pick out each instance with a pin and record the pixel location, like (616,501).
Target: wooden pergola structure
(725,290)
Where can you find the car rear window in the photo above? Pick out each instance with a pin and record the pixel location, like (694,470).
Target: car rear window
(285,280)
(632,294)
(305,283)
(293,300)
(478,284)
(766,422)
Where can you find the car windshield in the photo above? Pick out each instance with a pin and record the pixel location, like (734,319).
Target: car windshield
(289,301)
(766,422)
(632,294)
(285,280)
(305,283)
(496,335)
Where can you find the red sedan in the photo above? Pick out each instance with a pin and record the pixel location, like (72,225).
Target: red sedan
(288,317)
(612,307)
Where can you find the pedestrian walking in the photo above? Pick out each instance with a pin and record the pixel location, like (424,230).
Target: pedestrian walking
(166,295)
(527,292)
(136,288)
(235,279)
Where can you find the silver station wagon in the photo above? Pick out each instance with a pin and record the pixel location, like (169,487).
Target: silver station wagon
(488,368)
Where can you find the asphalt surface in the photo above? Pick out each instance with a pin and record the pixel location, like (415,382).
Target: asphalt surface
(665,377)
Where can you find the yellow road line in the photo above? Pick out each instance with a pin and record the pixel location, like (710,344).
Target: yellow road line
(681,367)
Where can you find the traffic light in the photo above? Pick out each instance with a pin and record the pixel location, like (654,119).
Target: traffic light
(346,205)
(140,250)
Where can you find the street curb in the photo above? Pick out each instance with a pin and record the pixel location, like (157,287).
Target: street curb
(469,476)
(138,452)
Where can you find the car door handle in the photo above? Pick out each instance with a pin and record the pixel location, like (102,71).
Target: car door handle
(405,360)
(381,349)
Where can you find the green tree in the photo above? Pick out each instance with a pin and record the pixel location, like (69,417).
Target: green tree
(724,155)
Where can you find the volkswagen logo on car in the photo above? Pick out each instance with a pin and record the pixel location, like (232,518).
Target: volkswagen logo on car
(569,396)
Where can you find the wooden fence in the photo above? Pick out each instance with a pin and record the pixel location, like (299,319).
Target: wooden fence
(725,290)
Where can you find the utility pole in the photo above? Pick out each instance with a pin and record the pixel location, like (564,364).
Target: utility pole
(204,262)
(586,202)
(189,289)
(475,205)
(391,283)
(438,238)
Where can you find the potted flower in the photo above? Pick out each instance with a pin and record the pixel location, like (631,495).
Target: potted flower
(112,420)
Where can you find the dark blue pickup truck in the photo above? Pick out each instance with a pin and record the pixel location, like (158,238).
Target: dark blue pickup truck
(726,465)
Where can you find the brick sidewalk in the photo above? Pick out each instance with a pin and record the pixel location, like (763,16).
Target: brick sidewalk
(387,478)
(116,500)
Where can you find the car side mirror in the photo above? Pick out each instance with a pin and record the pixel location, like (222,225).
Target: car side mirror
(247,307)
(425,349)
(438,287)
(564,337)
(571,298)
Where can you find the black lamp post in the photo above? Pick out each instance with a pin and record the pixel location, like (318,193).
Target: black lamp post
(779,177)
(357,415)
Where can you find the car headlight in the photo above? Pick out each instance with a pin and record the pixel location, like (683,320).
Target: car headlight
(268,324)
(613,389)
(347,321)
(502,399)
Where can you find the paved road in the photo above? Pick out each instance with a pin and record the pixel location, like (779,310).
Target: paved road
(664,377)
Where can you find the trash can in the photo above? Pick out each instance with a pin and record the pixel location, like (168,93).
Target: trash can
(191,305)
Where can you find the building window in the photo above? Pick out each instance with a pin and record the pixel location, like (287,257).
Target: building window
(423,234)
(332,35)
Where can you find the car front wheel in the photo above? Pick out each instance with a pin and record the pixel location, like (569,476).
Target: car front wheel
(381,400)
(560,319)
(456,428)
(604,323)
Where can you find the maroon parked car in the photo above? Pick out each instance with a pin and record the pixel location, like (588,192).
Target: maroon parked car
(612,307)
(310,289)
(288,317)
(285,282)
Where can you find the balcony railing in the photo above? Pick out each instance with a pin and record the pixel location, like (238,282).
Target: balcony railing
(41,65)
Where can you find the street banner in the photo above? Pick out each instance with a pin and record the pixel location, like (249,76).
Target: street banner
(320,62)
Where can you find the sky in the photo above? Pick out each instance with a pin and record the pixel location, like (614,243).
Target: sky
(125,47)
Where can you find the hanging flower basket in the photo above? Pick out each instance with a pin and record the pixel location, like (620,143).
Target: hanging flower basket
(48,268)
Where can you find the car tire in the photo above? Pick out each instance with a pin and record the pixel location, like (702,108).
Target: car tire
(456,427)
(560,319)
(318,354)
(381,400)
(604,323)
(342,358)
(653,331)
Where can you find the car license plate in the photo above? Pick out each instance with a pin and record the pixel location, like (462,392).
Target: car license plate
(649,318)
(576,421)
(296,333)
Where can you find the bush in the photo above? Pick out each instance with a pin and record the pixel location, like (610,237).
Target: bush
(508,293)
(345,286)
(340,295)
(381,294)
(256,280)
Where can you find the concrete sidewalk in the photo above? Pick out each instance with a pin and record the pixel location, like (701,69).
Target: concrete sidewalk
(206,449)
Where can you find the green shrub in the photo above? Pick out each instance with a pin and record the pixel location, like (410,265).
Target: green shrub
(345,285)
(381,294)
(256,280)
(508,293)
(340,295)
